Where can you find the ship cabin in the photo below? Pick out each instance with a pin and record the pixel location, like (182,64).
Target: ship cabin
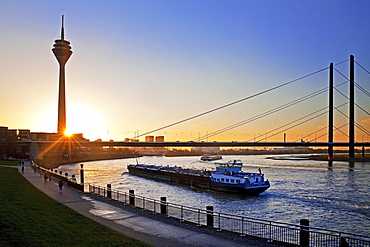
(230,174)
(231,166)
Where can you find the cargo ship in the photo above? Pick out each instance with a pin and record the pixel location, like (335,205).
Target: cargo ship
(228,177)
(208,157)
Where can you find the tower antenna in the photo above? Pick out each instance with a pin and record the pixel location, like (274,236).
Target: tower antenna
(62,31)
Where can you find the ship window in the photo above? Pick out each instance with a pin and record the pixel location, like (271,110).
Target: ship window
(238,181)
(232,180)
(222,179)
(227,180)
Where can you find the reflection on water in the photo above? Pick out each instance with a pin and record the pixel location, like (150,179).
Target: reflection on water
(332,196)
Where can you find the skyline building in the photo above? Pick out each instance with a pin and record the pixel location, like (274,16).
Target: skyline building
(62,52)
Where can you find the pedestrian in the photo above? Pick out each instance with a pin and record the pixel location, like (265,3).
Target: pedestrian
(22,167)
(60,184)
(343,242)
(46,176)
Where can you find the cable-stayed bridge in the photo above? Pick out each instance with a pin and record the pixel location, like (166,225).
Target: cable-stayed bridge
(327,110)
(313,139)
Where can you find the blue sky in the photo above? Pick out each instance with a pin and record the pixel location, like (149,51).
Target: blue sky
(140,65)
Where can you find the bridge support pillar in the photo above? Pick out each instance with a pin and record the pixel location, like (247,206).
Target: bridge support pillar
(331,108)
(352,108)
(34,150)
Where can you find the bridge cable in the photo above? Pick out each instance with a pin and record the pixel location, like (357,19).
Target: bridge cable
(261,115)
(356,124)
(342,62)
(354,103)
(362,67)
(317,137)
(341,74)
(357,85)
(233,103)
(312,134)
(362,129)
(342,131)
(281,108)
(298,123)
(325,134)
(362,89)
(257,117)
(336,108)
(292,123)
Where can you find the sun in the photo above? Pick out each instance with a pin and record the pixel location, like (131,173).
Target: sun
(68,133)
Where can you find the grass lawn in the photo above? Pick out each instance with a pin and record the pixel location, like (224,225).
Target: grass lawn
(9,162)
(28,217)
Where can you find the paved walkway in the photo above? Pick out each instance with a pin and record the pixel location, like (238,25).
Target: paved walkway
(132,222)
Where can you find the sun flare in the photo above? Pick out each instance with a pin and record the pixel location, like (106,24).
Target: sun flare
(68,133)
(83,119)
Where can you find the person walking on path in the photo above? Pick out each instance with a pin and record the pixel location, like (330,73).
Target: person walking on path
(22,167)
(46,176)
(343,242)
(60,184)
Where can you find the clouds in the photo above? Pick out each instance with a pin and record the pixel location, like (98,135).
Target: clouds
(365,122)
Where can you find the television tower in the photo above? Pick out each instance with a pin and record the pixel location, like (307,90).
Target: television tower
(62,51)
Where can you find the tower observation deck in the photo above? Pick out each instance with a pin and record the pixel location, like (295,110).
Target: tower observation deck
(62,51)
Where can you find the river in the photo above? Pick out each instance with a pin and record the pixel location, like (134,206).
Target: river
(334,198)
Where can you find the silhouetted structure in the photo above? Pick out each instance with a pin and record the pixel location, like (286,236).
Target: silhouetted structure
(62,51)
(351,130)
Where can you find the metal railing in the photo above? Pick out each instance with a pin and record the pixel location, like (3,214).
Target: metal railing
(71,181)
(292,234)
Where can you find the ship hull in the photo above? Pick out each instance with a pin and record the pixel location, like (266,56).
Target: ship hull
(193,180)
(211,157)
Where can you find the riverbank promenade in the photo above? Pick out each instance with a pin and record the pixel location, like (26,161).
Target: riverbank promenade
(148,228)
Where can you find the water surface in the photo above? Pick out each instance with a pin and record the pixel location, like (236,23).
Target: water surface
(335,198)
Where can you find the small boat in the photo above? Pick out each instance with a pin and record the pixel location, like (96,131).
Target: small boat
(208,157)
(228,177)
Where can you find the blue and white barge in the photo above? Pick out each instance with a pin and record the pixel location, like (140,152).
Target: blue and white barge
(228,177)
(231,177)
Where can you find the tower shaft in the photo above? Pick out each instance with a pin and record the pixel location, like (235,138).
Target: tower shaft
(62,119)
